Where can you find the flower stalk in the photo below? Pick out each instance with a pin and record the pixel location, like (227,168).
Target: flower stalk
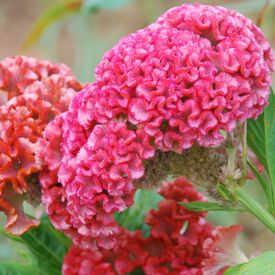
(256,209)
(244,151)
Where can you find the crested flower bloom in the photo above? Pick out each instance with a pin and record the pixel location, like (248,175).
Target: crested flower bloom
(96,182)
(32,93)
(196,71)
(180,242)
(178,82)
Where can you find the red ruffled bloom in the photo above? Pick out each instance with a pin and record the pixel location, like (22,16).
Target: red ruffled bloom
(32,93)
(196,71)
(180,242)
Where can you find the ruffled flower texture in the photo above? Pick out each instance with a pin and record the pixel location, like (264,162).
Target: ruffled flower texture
(196,71)
(178,82)
(32,93)
(180,242)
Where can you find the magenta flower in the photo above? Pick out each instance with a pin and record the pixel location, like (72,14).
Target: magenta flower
(96,182)
(178,82)
(198,70)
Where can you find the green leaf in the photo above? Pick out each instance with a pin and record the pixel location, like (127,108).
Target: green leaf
(47,246)
(256,209)
(261,137)
(265,185)
(47,249)
(263,264)
(256,138)
(133,217)
(206,206)
(18,269)
(10,236)
(269,118)
(54,13)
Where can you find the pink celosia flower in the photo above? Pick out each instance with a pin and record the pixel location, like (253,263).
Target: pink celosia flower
(180,242)
(196,71)
(199,69)
(32,93)
(97,181)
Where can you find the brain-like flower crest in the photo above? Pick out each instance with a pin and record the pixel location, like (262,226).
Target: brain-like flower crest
(32,93)
(195,72)
(180,242)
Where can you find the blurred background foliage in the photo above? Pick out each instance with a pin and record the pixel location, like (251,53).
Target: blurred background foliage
(78,32)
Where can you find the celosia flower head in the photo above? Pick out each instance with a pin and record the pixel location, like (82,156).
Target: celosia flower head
(196,71)
(178,82)
(180,242)
(32,93)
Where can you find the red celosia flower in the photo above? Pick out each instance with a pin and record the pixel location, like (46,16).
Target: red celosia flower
(175,245)
(222,250)
(128,254)
(196,71)
(32,93)
(85,262)
(180,242)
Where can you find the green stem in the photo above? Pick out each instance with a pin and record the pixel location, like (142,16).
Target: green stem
(256,209)
(244,151)
(268,118)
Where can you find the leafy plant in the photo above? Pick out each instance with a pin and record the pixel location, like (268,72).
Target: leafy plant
(47,248)
(260,137)
(133,217)
(263,264)
(207,206)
